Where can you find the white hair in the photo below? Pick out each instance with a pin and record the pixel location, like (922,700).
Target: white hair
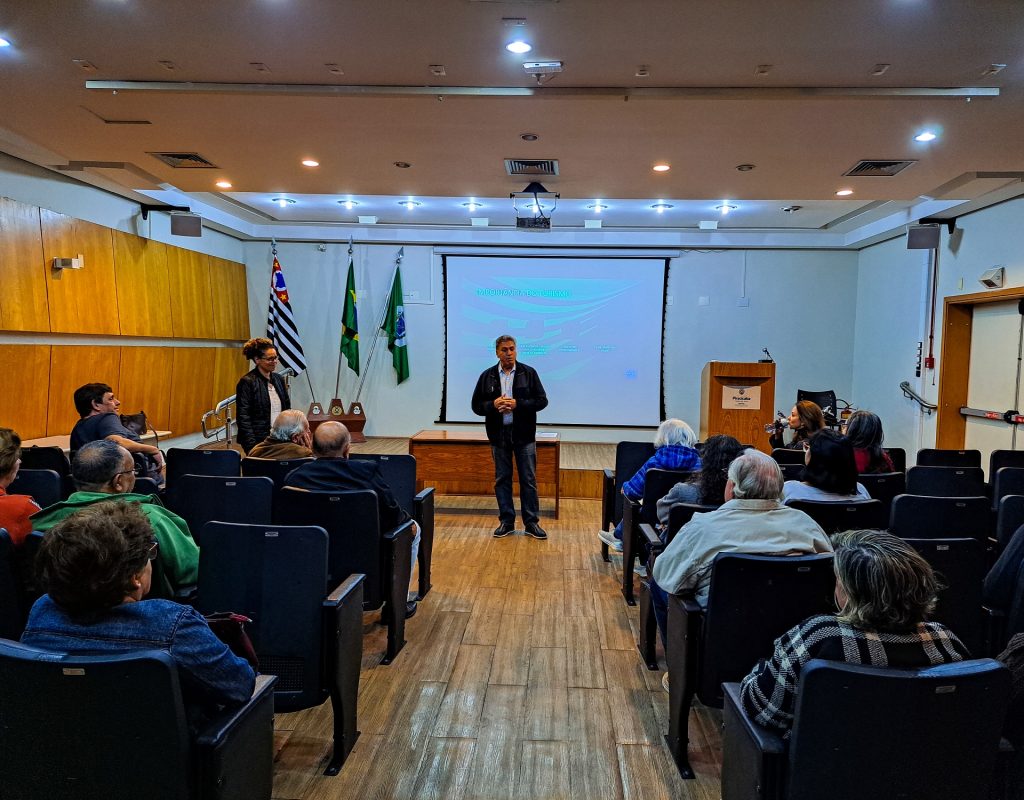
(288,424)
(674,431)
(755,476)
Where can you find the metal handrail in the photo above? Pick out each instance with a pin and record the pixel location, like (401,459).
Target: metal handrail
(224,406)
(909,392)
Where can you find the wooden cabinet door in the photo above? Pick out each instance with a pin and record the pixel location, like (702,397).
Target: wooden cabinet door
(72,366)
(143,294)
(23,303)
(230,299)
(23,406)
(188,273)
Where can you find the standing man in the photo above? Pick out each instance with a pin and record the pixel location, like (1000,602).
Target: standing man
(508,396)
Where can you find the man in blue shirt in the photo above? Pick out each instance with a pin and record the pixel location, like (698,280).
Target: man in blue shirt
(97,406)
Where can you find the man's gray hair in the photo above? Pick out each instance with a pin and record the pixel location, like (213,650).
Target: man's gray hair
(674,431)
(756,476)
(288,424)
(330,440)
(505,337)
(96,464)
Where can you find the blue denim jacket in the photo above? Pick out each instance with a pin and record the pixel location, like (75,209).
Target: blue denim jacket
(208,671)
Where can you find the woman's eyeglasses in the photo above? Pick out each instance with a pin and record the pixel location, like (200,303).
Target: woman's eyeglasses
(154,551)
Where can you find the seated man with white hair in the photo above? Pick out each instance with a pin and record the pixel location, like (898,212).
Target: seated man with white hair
(289,438)
(752,520)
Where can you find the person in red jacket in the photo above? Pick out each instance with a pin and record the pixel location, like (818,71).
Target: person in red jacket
(15,509)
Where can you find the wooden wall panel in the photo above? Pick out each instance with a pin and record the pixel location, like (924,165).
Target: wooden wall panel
(191,295)
(191,387)
(24,408)
(23,303)
(70,367)
(229,366)
(145,383)
(143,294)
(230,299)
(85,300)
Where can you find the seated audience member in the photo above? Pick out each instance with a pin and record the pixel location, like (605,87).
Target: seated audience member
(830,475)
(96,569)
(752,520)
(15,509)
(706,487)
(1013,657)
(332,471)
(105,471)
(1001,580)
(97,407)
(289,438)
(674,449)
(804,421)
(885,592)
(864,431)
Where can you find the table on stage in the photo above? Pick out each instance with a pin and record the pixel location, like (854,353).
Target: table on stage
(459,462)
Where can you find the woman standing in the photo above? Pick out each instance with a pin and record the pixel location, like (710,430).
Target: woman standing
(260,395)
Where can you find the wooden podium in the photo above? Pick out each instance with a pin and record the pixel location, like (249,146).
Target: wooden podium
(737,399)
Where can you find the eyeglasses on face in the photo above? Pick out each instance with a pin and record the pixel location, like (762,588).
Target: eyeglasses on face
(267,358)
(154,550)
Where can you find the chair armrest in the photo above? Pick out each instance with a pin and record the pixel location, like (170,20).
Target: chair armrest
(607,499)
(649,535)
(222,724)
(691,606)
(423,513)
(767,740)
(342,656)
(753,759)
(398,557)
(344,589)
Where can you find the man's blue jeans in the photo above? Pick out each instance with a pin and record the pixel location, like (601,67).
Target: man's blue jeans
(526,462)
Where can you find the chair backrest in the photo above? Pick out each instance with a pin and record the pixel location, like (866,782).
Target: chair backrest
(399,472)
(199,499)
(92,726)
(1007,481)
(826,401)
(148,486)
(277,471)
(12,594)
(938,457)
(752,601)
(275,575)
(898,456)
(1009,517)
(785,455)
(183,461)
(629,457)
(354,535)
(918,517)
(1015,614)
(946,481)
(49,458)
(998,459)
(657,484)
(792,472)
(681,513)
(884,486)
(865,732)
(45,486)
(835,517)
(960,567)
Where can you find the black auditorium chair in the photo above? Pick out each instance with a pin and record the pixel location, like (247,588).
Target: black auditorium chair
(960,565)
(49,458)
(44,486)
(946,481)
(199,499)
(114,725)
(399,473)
(753,600)
(835,517)
(792,472)
(148,486)
(183,461)
(309,637)
(826,401)
(938,457)
(657,484)
(629,457)
(1009,517)
(918,517)
(884,486)
(866,732)
(1006,481)
(1004,458)
(785,455)
(276,470)
(357,545)
(898,456)
(13,607)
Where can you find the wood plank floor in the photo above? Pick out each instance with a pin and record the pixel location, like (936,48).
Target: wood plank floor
(520,680)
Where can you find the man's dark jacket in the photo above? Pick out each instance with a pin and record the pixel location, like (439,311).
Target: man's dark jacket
(340,474)
(527,391)
(252,406)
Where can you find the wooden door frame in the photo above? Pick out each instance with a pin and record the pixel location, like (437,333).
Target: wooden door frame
(955,366)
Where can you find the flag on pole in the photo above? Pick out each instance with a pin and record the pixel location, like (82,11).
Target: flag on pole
(349,325)
(281,327)
(394,327)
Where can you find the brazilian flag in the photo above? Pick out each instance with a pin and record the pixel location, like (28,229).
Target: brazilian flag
(349,325)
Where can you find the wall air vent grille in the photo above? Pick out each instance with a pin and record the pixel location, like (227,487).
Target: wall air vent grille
(519,167)
(184,160)
(878,169)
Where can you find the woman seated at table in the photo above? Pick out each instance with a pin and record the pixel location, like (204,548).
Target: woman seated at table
(804,421)
(830,475)
(96,567)
(885,592)
(864,430)
(706,487)
(15,509)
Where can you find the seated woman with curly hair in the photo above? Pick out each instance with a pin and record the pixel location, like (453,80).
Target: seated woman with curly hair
(706,487)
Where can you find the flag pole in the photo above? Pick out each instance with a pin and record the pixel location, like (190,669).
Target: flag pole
(337,379)
(380,321)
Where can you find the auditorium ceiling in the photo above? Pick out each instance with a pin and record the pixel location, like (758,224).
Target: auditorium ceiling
(420,102)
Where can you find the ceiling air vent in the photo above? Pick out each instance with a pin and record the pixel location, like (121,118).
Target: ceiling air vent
(184,160)
(877,169)
(524,167)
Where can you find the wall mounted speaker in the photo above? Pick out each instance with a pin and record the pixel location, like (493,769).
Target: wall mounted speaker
(923,237)
(183,224)
(993,278)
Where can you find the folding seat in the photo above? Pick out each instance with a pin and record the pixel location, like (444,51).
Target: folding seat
(629,457)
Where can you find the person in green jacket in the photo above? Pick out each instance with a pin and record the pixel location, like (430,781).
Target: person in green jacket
(104,468)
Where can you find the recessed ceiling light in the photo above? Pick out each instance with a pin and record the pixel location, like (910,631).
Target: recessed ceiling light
(283,201)
(403,164)
(661,167)
(925,136)
(349,204)
(662,207)
(224,184)
(472,205)
(4,42)
(844,192)
(529,137)
(597,207)
(745,167)
(519,47)
(410,204)
(309,162)
(725,207)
